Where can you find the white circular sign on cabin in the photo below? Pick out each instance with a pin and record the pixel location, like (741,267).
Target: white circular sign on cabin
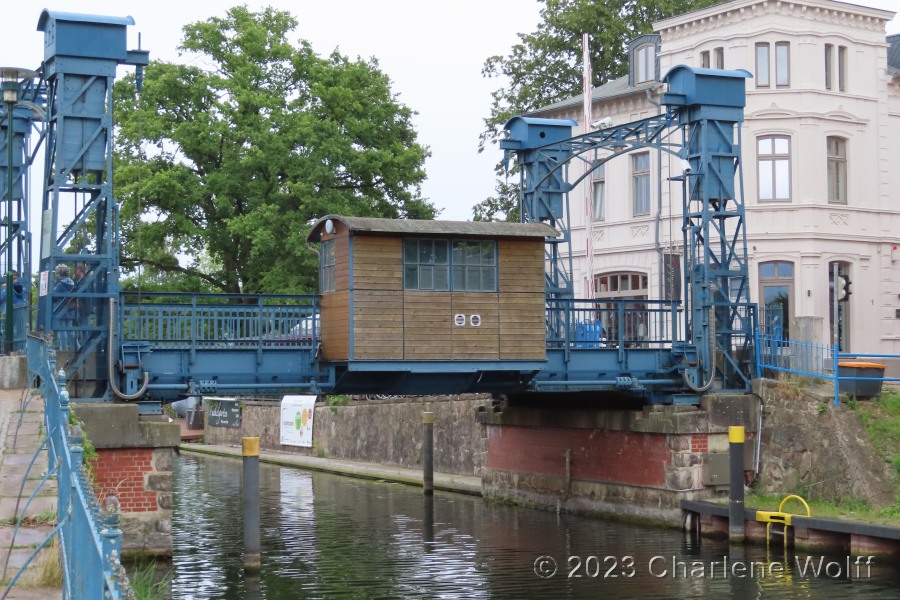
(475,320)
(459,320)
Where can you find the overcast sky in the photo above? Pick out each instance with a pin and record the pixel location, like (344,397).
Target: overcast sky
(432,51)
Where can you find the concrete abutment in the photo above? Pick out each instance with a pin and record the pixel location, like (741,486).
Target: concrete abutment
(135,460)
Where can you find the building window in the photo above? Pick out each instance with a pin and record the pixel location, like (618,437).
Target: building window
(704,59)
(773,161)
(426,265)
(841,65)
(776,283)
(842,68)
(720,57)
(837,170)
(645,63)
(640,172)
(598,183)
(762,65)
(625,323)
(782,64)
(326,266)
(475,266)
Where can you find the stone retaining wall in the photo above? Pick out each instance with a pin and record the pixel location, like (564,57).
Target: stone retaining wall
(379,431)
(820,451)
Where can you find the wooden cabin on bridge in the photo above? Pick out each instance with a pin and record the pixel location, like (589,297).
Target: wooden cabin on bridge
(461,296)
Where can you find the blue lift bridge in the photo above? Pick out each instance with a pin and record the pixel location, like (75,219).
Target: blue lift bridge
(154,349)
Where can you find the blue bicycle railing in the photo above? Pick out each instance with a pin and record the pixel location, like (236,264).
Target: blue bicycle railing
(90,538)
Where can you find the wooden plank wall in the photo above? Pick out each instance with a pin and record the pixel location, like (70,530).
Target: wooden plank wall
(335,309)
(392,324)
(377,298)
(521,302)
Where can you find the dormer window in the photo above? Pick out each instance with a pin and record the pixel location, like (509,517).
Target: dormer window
(644,63)
(642,53)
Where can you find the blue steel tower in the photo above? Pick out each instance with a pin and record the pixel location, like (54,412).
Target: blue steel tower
(79,214)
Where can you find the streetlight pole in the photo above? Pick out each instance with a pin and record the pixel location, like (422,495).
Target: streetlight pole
(9,83)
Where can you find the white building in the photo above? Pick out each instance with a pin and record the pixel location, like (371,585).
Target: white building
(820,148)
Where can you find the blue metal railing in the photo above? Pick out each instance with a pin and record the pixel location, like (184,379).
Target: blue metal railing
(816,361)
(90,538)
(220,321)
(611,323)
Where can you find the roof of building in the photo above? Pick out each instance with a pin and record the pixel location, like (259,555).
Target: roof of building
(610,89)
(619,87)
(423,227)
(893,55)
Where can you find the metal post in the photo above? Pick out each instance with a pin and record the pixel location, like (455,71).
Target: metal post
(835,314)
(428,453)
(9,227)
(250,492)
(736,484)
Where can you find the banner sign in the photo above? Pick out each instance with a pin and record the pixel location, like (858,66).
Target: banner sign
(223,412)
(297,420)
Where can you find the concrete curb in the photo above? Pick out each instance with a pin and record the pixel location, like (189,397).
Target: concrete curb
(464,484)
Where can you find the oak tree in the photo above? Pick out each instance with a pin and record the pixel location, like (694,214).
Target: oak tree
(223,163)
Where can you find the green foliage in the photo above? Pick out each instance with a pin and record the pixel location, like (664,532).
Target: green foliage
(545,66)
(881,420)
(228,164)
(822,407)
(147,585)
(89,454)
(318,451)
(335,401)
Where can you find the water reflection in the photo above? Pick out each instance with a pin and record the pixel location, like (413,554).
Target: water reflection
(325,536)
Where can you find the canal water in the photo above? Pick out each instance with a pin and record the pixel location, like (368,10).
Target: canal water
(325,536)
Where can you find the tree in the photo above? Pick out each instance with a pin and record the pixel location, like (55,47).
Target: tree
(221,169)
(545,66)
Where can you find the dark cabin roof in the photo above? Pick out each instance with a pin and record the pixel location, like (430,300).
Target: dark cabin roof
(488,229)
(894,55)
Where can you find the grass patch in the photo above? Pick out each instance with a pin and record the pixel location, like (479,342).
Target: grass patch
(854,510)
(881,420)
(48,517)
(46,570)
(146,583)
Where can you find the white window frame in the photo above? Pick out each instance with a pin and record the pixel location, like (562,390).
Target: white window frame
(598,193)
(640,184)
(645,63)
(837,169)
(773,164)
(763,75)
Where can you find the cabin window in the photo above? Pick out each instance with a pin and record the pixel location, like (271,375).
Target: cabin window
(429,264)
(426,265)
(475,266)
(326,266)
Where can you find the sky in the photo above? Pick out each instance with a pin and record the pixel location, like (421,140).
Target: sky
(432,51)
